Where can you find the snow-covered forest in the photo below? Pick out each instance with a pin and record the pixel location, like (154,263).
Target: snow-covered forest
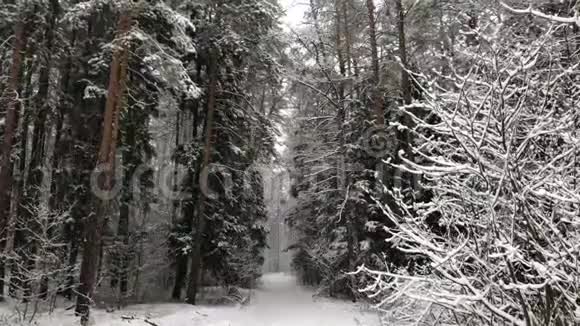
(285,162)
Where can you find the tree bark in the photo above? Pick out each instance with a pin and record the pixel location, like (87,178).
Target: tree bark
(59,190)
(342,48)
(343,11)
(130,164)
(376,80)
(175,204)
(106,161)
(188,209)
(405,137)
(406,90)
(31,200)
(11,123)
(196,259)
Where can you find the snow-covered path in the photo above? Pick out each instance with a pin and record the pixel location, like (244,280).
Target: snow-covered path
(278,302)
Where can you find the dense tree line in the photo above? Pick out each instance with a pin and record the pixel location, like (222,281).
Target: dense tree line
(435,152)
(432,146)
(349,98)
(120,122)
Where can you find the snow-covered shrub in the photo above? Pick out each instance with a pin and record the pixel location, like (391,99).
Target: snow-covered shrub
(502,162)
(38,272)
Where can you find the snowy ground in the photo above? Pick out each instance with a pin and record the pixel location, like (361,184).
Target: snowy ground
(278,302)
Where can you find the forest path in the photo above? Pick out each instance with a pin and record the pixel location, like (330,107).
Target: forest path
(279,301)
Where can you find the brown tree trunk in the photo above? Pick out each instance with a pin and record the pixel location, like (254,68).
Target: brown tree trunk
(196,259)
(105,161)
(11,123)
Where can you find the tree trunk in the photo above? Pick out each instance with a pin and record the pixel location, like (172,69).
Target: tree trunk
(347,36)
(124,214)
(196,259)
(175,204)
(181,262)
(71,262)
(405,138)
(352,60)
(59,188)
(14,237)
(377,96)
(180,276)
(188,209)
(405,81)
(31,200)
(11,123)
(106,161)
(342,47)
(320,47)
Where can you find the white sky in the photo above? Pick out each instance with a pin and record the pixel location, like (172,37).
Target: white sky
(294,11)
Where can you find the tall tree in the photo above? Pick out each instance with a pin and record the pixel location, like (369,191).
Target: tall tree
(196,258)
(36,173)
(106,163)
(377,97)
(11,123)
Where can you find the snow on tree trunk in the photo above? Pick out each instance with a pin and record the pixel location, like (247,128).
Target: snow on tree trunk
(196,258)
(10,125)
(106,162)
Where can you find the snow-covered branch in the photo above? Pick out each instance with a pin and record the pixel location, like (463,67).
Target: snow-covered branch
(530,11)
(501,165)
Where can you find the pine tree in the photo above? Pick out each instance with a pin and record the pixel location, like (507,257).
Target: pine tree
(106,162)
(11,123)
